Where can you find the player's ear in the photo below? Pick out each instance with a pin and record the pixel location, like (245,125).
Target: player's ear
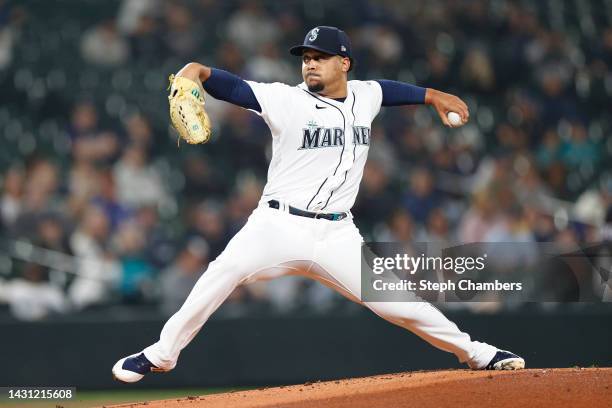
(346,65)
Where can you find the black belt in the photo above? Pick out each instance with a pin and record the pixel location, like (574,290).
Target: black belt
(302,213)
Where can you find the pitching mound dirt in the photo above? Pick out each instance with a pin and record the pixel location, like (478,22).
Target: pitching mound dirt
(568,387)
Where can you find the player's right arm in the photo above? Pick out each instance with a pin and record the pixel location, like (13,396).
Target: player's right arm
(396,93)
(222,85)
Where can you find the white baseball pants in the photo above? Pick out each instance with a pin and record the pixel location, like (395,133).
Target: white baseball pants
(274,243)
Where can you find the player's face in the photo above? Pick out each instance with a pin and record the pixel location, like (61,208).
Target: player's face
(320,70)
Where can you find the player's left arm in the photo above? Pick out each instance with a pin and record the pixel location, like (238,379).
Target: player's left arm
(396,93)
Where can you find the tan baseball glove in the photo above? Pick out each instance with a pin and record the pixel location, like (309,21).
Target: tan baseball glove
(187,110)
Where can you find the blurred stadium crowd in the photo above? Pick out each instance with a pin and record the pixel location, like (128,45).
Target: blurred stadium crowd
(99,207)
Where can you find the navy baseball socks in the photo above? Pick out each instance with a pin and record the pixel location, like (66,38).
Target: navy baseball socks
(133,368)
(505,360)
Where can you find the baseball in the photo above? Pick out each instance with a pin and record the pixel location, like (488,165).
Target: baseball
(454,119)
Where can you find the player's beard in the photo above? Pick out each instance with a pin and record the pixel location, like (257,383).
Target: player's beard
(316,87)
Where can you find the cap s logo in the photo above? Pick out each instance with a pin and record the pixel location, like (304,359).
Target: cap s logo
(314,33)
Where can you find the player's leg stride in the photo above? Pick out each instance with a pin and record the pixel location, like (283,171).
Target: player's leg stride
(321,138)
(133,368)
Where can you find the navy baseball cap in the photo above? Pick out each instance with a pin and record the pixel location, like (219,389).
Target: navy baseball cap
(330,40)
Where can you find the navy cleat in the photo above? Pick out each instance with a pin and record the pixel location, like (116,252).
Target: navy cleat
(505,360)
(132,368)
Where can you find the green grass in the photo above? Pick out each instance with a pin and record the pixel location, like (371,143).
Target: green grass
(86,399)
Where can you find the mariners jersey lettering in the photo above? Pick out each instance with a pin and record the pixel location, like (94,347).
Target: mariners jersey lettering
(319,145)
(322,137)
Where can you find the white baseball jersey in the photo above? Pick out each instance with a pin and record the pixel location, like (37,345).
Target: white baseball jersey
(319,145)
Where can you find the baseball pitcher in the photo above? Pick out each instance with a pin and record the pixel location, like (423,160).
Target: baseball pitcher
(303,224)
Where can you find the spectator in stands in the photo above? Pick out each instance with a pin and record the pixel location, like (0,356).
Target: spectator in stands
(178,279)
(40,195)
(477,71)
(103,45)
(108,200)
(251,18)
(440,74)
(12,17)
(556,178)
(32,296)
(422,196)
(513,228)
(267,66)
(549,150)
(131,12)
(374,197)
(140,133)
(529,187)
(242,202)
(206,221)
(202,178)
(556,102)
(481,217)
(137,273)
(579,149)
(437,229)
(399,227)
(384,45)
(84,183)
(138,183)
(230,57)
(12,195)
(52,233)
(182,37)
(89,143)
(542,224)
(159,247)
(383,151)
(244,142)
(97,271)
(592,205)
